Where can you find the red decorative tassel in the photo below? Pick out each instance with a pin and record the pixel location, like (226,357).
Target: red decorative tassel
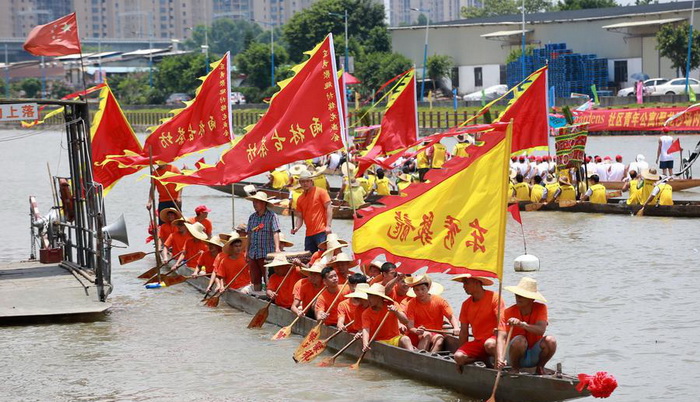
(600,385)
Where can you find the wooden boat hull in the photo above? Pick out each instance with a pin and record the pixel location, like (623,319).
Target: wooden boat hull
(677,185)
(679,210)
(279,194)
(438,370)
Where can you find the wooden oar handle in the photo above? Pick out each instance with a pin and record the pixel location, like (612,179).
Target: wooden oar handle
(337,332)
(281,283)
(345,347)
(162,265)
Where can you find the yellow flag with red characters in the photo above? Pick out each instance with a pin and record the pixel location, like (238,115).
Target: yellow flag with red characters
(454,223)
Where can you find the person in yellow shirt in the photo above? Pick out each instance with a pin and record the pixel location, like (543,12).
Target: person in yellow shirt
(596,191)
(522,190)
(538,192)
(423,161)
(633,186)
(278,178)
(319,178)
(439,156)
(383,185)
(460,148)
(566,191)
(552,186)
(355,195)
(649,179)
(403,181)
(661,193)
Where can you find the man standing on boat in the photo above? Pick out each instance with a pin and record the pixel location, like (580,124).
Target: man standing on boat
(168,196)
(481,311)
(663,159)
(316,212)
(263,238)
(529,346)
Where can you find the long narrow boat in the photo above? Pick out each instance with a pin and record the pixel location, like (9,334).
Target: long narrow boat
(680,209)
(279,194)
(676,184)
(437,369)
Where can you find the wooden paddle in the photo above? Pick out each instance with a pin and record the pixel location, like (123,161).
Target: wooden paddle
(567,203)
(261,316)
(154,271)
(500,370)
(315,332)
(284,332)
(317,348)
(440,331)
(357,363)
(173,269)
(131,257)
(329,361)
(613,194)
(533,206)
(214,301)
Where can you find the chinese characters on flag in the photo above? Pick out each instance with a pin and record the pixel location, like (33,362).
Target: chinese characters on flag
(454,223)
(57,38)
(304,120)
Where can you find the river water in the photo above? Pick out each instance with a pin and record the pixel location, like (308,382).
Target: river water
(621,290)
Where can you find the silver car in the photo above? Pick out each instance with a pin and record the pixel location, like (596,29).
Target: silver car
(648,87)
(676,87)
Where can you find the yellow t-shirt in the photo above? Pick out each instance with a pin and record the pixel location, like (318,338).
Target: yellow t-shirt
(633,198)
(460,149)
(551,189)
(383,187)
(439,155)
(321,182)
(568,193)
(522,191)
(665,195)
(357,194)
(536,193)
(280,178)
(422,160)
(365,184)
(598,195)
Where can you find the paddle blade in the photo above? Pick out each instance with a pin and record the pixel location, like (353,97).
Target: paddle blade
(260,317)
(174,280)
(535,206)
(309,340)
(213,302)
(613,194)
(283,333)
(327,362)
(567,203)
(355,366)
(149,273)
(131,257)
(311,352)
(640,212)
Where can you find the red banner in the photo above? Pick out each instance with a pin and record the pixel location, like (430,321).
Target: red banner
(304,120)
(570,143)
(641,119)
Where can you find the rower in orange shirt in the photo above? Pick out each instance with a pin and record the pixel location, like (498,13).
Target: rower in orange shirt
(342,263)
(480,311)
(194,245)
(325,308)
(355,303)
(208,260)
(201,214)
(379,306)
(168,215)
(306,289)
(232,265)
(426,311)
(176,241)
(283,296)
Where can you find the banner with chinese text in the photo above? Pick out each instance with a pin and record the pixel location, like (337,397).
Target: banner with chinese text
(304,120)
(640,119)
(204,123)
(570,144)
(453,223)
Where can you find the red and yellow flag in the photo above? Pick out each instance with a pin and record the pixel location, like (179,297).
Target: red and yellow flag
(59,110)
(110,132)
(454,223)
(304,120)
(399,126)
(204,123)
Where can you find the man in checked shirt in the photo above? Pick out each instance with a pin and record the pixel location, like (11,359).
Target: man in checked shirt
(263,238)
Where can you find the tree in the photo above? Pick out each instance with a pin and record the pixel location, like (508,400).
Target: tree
(438,66)
(255,63)
(224,35)
(133,89)
(585,4)
(28,87)
(517,52)
(672,43)
(180,74)
(309,26)
(59,89)
(377,68)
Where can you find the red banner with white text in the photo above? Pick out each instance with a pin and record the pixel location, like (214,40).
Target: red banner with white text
(640,119)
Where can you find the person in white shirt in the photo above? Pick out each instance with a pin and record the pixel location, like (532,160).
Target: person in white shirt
(591,166)
(639,164)
(663,159)
(602,168)
(617,170)
(542,166)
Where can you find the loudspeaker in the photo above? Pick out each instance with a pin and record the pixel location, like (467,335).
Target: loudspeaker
(117,231)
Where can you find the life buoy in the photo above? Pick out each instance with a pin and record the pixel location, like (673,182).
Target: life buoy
(66,200)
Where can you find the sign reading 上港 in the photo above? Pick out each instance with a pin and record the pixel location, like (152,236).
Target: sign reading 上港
(19,111)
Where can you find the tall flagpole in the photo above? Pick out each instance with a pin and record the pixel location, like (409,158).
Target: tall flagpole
(690,46)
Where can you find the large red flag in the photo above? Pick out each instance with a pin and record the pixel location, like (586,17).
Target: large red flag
(204,123)
(399,126)
(110,133)
(675,146)
(304,120)
(57,38)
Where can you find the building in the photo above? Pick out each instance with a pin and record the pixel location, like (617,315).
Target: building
(404,12)
(479,47)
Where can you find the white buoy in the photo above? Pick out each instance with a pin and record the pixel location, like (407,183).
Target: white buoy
(526,263)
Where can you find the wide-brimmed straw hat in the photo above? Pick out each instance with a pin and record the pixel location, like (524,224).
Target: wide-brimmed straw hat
(378,290)
(164,214)
(527,287)
(550,179)
(234,236)
(377,263)
(360,292)
(463,277)
(329,238)
(354,183)
(347,169)
(227,236)
(260,196)
(243,227)
(197,230)
(650,174)
(250,189)
(320,170)
(434,288)
(297,169)
(177,221)
(341,257)
(215,240)
(284,242)
(313,269)
(405,177)
(306,175)
(278,261)
(512,173)
(333,245)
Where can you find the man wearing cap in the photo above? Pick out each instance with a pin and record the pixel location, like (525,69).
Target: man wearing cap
(381,305)
(596,191)
(425,311)
(481,311)
(529,346)
(168,196)
(639,164)
(306,289)
(350,310)
(175,243)
(460,148)
(282,295)
(263,238)
(602,168)
(617,170)
(324,308)
(201,214)
(316,212)
(194,246)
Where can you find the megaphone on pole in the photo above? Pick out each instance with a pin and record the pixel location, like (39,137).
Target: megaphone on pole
(117,231)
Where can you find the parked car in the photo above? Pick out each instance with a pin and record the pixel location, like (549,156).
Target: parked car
(489,94)
(648,87)
(237,98)
(676,87)
(177,98)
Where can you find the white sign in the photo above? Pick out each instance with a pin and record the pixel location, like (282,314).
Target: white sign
(19,111)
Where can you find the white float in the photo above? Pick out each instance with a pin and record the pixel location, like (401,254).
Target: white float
(526,263)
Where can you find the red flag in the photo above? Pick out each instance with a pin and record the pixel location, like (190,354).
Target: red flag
(399,126)
(110,133)
(528,109)
(514,210)
(57,38)
(304,120)
(675,146)
(204,123)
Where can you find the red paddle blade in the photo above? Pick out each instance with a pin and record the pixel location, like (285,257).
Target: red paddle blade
(311,352)
(283,333)
(259,318)
(213,302)
(327,362)
(174,280)
(149,273)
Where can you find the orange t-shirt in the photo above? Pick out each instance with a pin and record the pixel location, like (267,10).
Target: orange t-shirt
(351,312)
(342,279)
(429,314)
(315,256)
(312,206)
(167,192)
(206,261)
(481,315)
(176,241)
(229,267)
(305,291)
(285,295)
(538,313)
(377,279)
(371,320)
(165,230)
(192,247)
(206,223)
(323,303)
